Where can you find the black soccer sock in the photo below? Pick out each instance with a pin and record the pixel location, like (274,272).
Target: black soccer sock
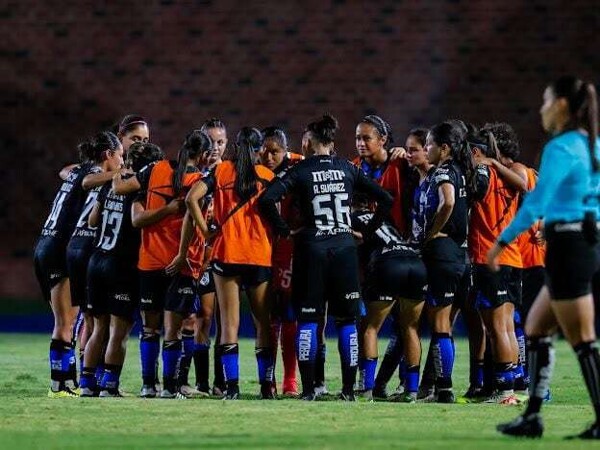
(390,361)
(476,373)
(201,363)
(319,365)
(187,339)
(219,376)
(428,378)
(589,360)
(488,367)
(541,359)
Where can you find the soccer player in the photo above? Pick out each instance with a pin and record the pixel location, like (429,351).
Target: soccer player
(51,271)
(241,254)
(445,241)
(113,285)
(276,157)
(394,273)
(325,265)
(159,260)
(568,177)
(130,129)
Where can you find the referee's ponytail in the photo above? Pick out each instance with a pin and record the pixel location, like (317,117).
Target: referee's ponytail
(583,109)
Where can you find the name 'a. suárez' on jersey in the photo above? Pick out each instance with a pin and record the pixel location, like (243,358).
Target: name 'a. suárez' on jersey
(329,188)
(328,175)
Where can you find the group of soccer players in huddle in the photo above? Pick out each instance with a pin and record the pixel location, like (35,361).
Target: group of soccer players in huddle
(400,231)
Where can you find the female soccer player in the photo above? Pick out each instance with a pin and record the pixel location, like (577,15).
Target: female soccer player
(130,129)
(160,287)
(445,240)
(51,266)
(276,157)
(568,177)
(325,266)
(113,285)
(241,254)
(394,273)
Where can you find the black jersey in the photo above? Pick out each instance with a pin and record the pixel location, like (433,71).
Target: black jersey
(385,242)
(67,204)
(83,231)
(456,226)
(117,234)
(323,186)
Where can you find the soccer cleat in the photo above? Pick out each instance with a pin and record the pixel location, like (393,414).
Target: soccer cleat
(219,391)
(148,391)
(593,432)
(379,392)
(62,393)
(445,396)
(347,396)
(522,396)
(399,390)
(530,426)
(426,394)
(88,392)
(405,397)
(308,397)
(506,398)
(321,390)
(290,388)
(203,390)
(232,394)
(190,391)
(366,396)
(110,393)
(165,393)
(267,391)
(473,395)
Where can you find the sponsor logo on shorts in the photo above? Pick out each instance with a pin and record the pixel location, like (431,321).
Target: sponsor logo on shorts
(122,297)
(502,293)
(90,306)
(185,291)
(55,275)
(448,294)
(309,310)
(146,300)
(205,279)
(385,298)
(353,296)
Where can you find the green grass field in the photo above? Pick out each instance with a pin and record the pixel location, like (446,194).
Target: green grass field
(28,419)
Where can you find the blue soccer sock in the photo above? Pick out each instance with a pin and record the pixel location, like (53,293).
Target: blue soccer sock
(412,379)
(504,377)
(59,357)
(265,362)
(306,351)
(348,348)
(230,356)
(149,352)
(110,379)
(171,353)
(476,373)
(443,353)
(88,378)
(522,376)
(369,365)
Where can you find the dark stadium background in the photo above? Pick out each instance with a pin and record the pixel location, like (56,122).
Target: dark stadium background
(70,69)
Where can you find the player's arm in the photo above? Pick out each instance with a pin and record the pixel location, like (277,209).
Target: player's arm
(381,196)
(187,232)
(514,178)
(447,199)
(192,201)
(142,217)
(92,180)
(64,172)
(267,203)
(95,215)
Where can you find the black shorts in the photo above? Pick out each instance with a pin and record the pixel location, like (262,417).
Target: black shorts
(206,283)
(533,282)
(113,287)
(79,252)
(570,263)
(395,277)
(493,289)
(50,263)
(321,274)
(154,285)
(249,274)
(445,264)
(181,295)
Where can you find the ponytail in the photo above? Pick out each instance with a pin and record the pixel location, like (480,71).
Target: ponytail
(195,144)
(248,141)
(92,149)
(592,122)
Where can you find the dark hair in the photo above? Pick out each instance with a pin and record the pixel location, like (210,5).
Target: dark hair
(92,149)
(323,130)
(420,134)
(128,123)
(453,134)
(194,145)
(277,134)
(382,127)
(506,139)
(484,140)
(141,154)
(213,122)
(583,108)
(248,141)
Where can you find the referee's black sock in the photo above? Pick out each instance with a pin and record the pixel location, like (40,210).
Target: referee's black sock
(321,356)
(589,360)
(541,359)
(428,378)
(390,361)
